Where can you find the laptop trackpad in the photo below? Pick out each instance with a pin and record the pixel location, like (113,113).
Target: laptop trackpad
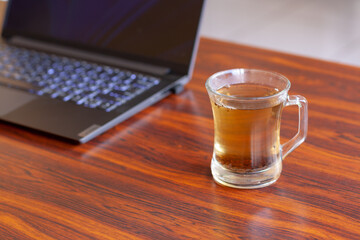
(11,99)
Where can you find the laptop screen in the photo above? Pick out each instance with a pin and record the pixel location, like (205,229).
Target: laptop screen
(159,32)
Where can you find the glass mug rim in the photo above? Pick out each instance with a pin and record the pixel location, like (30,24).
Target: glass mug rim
(242,71)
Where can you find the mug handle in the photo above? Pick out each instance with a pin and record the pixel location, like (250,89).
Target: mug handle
(300,136)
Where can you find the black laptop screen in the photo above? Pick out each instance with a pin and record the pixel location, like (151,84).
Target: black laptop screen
(155,31)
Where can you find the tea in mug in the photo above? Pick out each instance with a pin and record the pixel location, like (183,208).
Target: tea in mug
(247,106)
(246,139)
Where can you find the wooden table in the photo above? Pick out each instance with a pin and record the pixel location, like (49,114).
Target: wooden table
(149,177)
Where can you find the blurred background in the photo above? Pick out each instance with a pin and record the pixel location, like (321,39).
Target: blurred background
(323,29)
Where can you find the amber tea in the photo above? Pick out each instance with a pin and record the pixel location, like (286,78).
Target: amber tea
(247,106)
(246,139)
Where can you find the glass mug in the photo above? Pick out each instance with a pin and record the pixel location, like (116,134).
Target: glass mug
(247,106)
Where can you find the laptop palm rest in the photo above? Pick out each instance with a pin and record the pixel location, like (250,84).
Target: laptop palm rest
(11,99)
(56,117)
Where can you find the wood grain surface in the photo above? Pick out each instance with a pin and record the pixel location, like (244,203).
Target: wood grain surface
(149,177)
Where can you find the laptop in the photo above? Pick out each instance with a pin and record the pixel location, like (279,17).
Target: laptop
(76,68)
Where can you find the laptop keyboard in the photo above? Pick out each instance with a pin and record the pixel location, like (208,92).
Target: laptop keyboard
(83,83)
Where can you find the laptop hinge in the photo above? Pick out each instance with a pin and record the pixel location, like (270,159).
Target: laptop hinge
(96,57)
